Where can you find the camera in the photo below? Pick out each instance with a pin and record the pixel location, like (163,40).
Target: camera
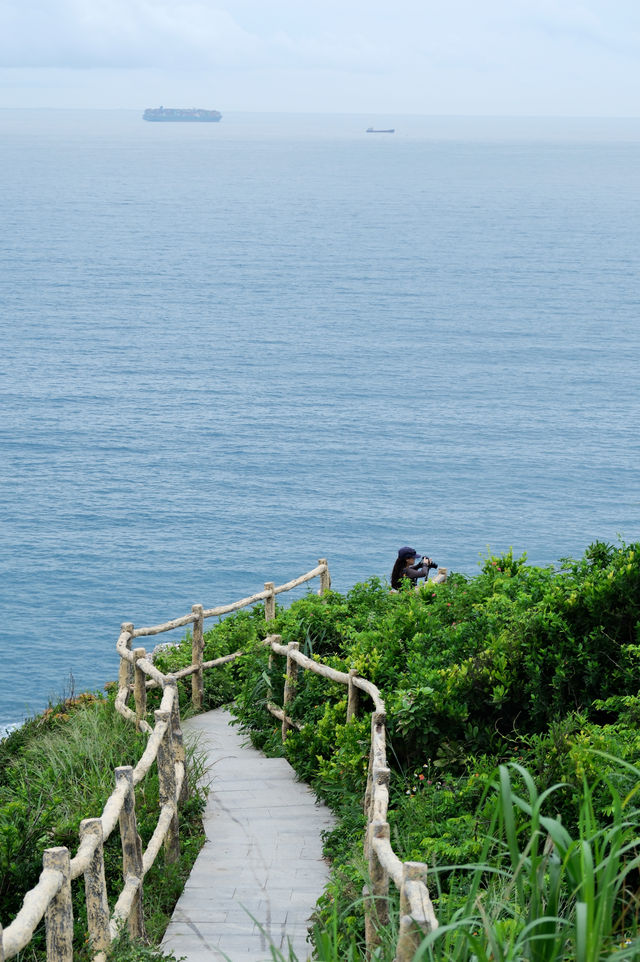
(432,564)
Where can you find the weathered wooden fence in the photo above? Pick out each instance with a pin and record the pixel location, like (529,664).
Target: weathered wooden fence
(51,898)
(135,664)
(417,917)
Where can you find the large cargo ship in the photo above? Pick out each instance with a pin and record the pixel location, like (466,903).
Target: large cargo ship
(184,114)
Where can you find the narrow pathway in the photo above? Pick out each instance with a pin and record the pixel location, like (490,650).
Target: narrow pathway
(257,878)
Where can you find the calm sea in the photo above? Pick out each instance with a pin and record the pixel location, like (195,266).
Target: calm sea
(231,349)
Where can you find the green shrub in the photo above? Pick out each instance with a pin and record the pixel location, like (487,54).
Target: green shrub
(520,662)
(536,665)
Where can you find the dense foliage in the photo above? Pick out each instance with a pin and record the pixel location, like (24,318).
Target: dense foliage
(513,708)
(520,664)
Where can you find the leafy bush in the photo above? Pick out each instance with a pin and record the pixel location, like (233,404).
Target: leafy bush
(468,665)
(520,663)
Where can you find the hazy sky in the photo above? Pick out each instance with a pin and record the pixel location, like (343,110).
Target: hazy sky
(520,57)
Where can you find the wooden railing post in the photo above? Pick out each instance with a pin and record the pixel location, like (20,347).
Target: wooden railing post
(377,718)
(167,786)
(131,848)
(197,648)
(139,687)
(126,669)
(59,913)
(325,577)
(178,740)
(378,809)
(95,888)
(290,683)
(410,934)
(352,702)
(270,601)
(376,904)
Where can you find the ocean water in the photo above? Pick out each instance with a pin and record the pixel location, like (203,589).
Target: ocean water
(231,349)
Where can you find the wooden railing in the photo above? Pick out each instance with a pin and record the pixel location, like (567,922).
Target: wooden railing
(146,675)
(417,917)
(51,898)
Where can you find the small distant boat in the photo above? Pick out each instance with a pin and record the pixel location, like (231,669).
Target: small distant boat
(373,130)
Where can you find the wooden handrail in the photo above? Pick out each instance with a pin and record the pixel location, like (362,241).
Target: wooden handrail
(39,902)
(321,571)
(50,898)
(417,914)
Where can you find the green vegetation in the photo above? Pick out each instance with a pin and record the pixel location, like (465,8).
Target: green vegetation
(532,669)
(540,892)
(58,769)
(513,709)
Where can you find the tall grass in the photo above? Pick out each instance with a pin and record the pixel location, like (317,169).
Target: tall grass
(537,893)
(58,770)
(73,759)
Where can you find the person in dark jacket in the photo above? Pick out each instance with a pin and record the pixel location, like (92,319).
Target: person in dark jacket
(406,567)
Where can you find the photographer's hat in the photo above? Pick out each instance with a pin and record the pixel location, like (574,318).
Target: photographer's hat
(407,553)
